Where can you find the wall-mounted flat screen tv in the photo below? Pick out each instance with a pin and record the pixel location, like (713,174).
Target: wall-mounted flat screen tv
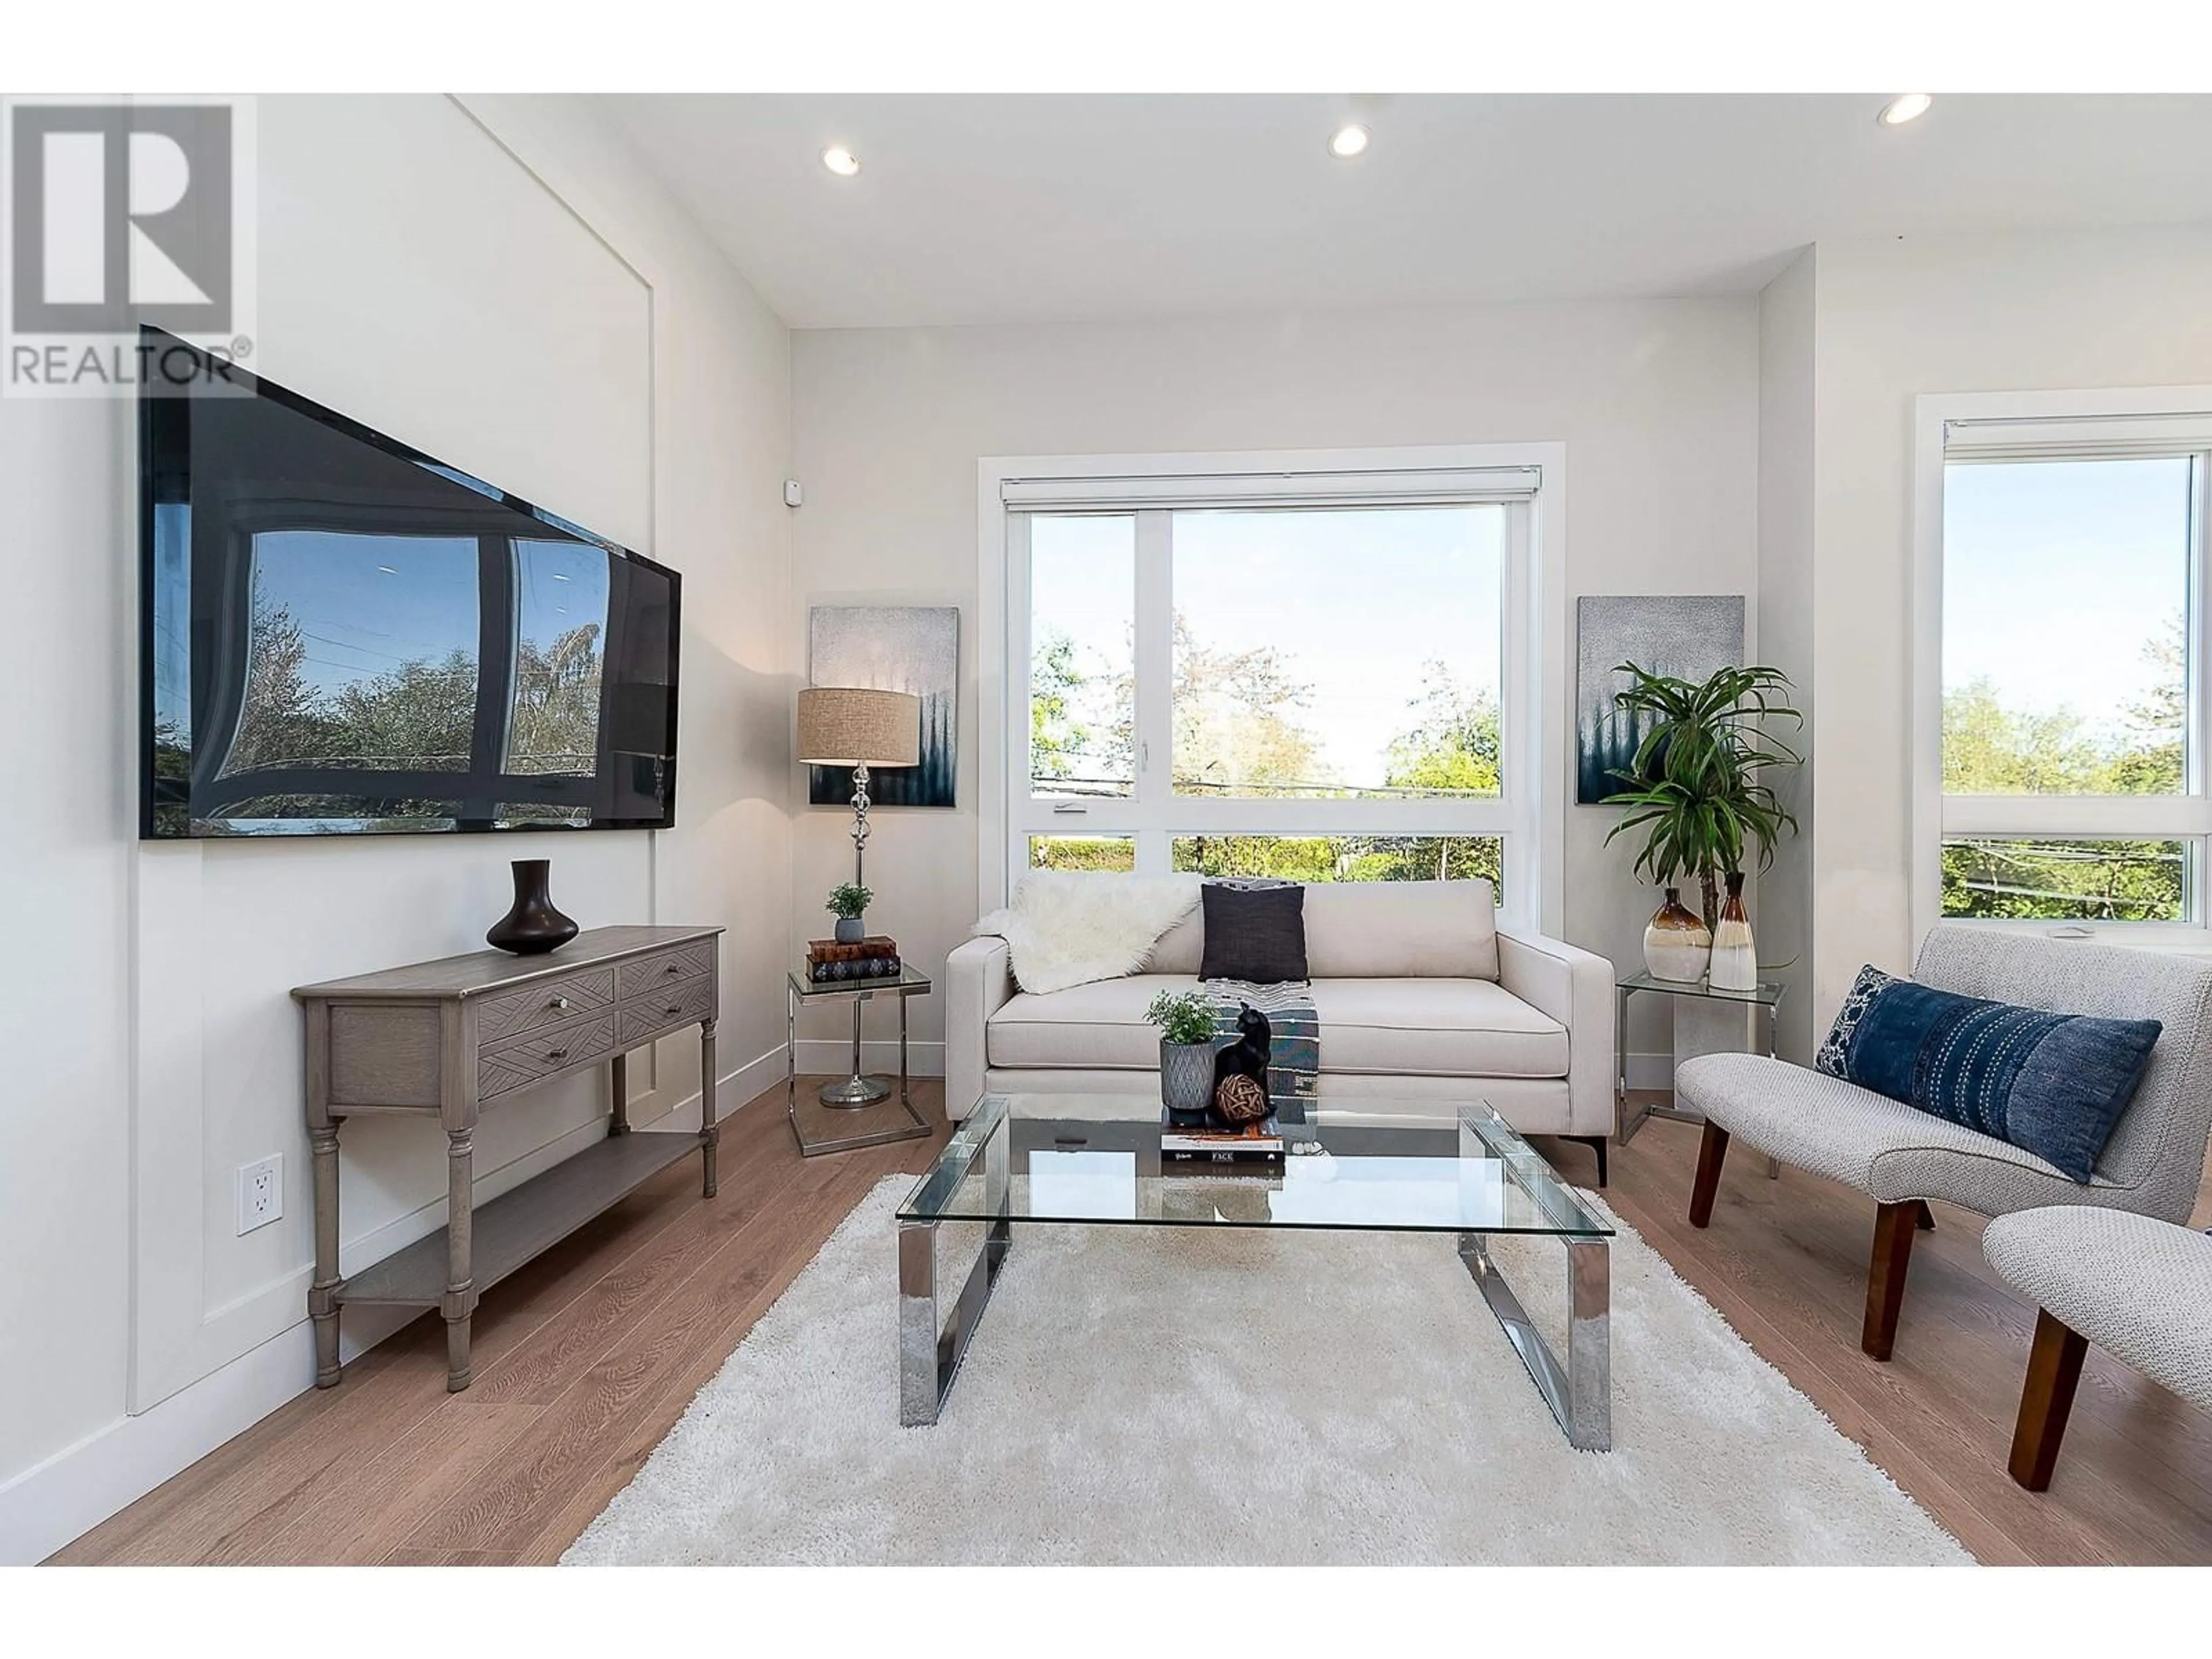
(341,636)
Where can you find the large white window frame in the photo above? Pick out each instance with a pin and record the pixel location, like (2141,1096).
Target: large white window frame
(2112,423)
(1529,480)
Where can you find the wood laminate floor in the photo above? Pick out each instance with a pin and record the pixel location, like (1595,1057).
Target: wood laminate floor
(585,1359)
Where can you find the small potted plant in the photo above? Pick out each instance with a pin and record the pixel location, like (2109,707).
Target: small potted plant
(1187,1039)
(848,902)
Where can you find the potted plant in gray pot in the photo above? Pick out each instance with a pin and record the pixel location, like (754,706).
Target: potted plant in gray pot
(848,902)
(1187,1042)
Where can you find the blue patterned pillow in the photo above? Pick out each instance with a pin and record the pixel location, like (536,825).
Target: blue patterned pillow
(2053,1085)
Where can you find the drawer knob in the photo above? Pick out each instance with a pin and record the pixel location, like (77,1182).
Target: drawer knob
(560,1004)
(673,968)
(556,1054)
(673,1008)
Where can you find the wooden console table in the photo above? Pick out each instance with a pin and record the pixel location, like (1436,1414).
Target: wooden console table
(447,1038)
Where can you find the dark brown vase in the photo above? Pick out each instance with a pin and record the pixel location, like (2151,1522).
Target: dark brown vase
(533,927)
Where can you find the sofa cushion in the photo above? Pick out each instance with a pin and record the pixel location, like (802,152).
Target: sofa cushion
(1399,929)
(1435,1028)
(1375,1027)
(1096,1026)
(1182,948)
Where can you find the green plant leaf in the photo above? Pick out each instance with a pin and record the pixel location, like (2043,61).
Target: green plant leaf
(1696,786)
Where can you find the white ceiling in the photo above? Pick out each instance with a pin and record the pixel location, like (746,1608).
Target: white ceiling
(995,209)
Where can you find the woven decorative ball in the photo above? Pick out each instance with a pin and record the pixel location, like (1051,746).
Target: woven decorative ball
(1240,1099)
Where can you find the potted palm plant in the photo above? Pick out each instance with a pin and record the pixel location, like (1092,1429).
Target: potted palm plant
(1187,1025)
(1698,790)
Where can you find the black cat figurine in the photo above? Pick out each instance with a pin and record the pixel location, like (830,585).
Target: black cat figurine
(1247,1055)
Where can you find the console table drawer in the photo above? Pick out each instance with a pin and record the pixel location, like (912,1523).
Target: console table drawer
(548,1002)
(648,977)
(685,1003)
(504,1067)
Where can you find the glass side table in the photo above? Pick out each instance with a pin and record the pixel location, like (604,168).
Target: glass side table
(1766,994)
(859,1089)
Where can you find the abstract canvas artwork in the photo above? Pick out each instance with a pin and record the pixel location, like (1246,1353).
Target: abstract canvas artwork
(1686,636)
(891,648)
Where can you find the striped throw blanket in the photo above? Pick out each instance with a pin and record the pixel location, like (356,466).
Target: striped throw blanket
(1294,1034)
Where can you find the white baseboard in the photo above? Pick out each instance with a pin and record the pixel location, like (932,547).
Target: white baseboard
(80,1486)
(732,1089)
(833,1056)
(52,1503)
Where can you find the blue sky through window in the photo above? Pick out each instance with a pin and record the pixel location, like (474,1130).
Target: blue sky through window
(2056,574)
(1359,602)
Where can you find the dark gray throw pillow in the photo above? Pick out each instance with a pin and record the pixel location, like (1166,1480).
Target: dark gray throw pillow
(1255,933)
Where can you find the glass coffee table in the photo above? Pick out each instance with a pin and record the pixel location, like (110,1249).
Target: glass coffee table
(1015,1162)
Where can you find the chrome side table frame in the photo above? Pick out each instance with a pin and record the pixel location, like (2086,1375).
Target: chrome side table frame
(931,1347)
(1625,1124)
(858,1091)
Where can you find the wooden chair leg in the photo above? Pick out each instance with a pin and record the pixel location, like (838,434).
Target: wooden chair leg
(1926,1218)
(1894,1227)
(1712,1151)
(2054,1366)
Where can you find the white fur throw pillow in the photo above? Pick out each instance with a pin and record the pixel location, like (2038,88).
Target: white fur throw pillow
(1070,927)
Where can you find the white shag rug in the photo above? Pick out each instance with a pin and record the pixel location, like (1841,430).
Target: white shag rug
(1070,927)
(1185,1396)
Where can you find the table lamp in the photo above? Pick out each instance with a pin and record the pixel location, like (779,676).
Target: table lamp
(847,725)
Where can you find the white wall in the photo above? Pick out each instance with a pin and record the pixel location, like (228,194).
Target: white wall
(1656,403)
(1893,319)
(515,320)
(1784,925)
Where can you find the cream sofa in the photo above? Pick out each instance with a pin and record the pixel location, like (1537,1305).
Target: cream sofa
(1422,998)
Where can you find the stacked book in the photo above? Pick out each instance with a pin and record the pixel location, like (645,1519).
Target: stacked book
(1202,1138)
(875,957)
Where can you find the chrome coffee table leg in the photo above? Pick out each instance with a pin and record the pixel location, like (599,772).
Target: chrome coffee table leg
(930,1351)
(1579,1393)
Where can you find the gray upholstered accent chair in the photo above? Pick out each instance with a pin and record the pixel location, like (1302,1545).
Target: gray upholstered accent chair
(2139,1289)
(1901,1157)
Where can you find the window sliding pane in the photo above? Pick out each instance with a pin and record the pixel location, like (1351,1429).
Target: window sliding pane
(1325,652)
(2065,588)
(1344,858)
(1117,853)
(1082,617)
(2066,880)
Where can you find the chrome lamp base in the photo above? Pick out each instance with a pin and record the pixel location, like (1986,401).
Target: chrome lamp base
(856,1091)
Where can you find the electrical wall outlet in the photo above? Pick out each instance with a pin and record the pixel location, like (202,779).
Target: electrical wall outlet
(260,1193)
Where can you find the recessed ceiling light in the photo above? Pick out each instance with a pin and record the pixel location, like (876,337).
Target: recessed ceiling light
(1347,141)
(1905,106)
(841,161)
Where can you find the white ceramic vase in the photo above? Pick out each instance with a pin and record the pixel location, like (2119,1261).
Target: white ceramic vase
(1676,944)
(1735,958)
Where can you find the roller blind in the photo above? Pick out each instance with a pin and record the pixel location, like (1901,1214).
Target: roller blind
(1422,486)
(2026,438)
